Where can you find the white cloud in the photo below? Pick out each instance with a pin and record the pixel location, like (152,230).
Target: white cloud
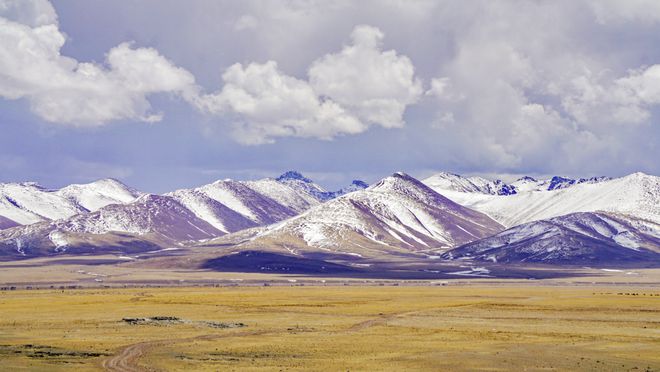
(29,12)
(606,11)
(598,100)
(347,92)
(376,85)
(512,98)
(62,90)
(267,104)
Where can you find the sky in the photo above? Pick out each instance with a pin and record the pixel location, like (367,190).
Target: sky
(165,94)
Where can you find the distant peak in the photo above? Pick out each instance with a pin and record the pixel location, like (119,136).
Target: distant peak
(293,175)
(447,175)
(558,182)
(109,180)
(360,184)
(401,175)
(527,178)
(32,184)
(395,180)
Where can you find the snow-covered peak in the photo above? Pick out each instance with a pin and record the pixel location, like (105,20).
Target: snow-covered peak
(29,202)
(636,194)
(406,187)
(397,181)
(558,182)
(293,175)
(454,182)
(356,185)
(303,184)
(96,195)
(398,212)
(527,184)
(574,238)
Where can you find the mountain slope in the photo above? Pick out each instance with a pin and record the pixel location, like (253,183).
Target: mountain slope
(6,223)
(304,185)
(398,215)
(96,195)
(232,205)
(637,194)
(27,203)
(150,221)
(283,193)
(579,238)
(454,182)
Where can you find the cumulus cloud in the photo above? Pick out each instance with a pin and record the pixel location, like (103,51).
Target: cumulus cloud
(511,98)
(606,11)
(267,104)
(510,86)
(346,93)
(29,12)
(376,85)
(63,90)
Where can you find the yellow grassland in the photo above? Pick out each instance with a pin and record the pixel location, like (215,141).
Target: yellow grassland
(336,328)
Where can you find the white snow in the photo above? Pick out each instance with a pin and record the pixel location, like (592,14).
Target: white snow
(58,238)
(637,194)
(397,211)
(474,271)
(27,203)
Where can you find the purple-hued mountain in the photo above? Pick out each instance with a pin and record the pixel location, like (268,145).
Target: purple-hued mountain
(637,194)
(28,202)
(6,223)
(583,238)
(200,213)
(152,219)
(398,215)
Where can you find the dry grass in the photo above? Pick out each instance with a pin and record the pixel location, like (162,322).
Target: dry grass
(335,328)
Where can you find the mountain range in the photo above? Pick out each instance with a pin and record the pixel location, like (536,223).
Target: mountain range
(446,217)
(637,194)
(398,215)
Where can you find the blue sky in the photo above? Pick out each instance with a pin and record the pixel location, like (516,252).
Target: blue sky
(170,94)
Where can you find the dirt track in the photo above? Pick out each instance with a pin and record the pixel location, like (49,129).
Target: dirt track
(126,360)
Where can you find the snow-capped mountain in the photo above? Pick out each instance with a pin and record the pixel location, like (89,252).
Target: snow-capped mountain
(96,195)
(239,198)
(577,238)
(283,193)
(454,182)
(204,212)
(303,184)
(637,195)
(397,215)
(307,186)
(231,205)
(154,219)
(530,184)
(26,203)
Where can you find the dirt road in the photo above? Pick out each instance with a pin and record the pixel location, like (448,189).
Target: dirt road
(126,360)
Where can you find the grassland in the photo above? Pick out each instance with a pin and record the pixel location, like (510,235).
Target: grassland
(334,328)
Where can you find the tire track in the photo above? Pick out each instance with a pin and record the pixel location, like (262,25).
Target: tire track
(126,359)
